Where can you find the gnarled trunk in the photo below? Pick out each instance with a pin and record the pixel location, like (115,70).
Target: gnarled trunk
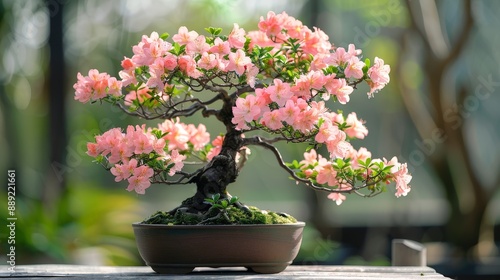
(222,169)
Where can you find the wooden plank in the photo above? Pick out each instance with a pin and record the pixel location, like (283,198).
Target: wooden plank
(292,272)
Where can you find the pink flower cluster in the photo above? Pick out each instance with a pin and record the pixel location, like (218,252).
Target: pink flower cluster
(129,153)
(325,172)
(230,55)
(299,115)
(96,86)
(400,175)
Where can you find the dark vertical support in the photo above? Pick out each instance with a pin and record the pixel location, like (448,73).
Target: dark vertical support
(55,183)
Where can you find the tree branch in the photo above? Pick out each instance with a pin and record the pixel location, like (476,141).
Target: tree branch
(353,189)
(180,181)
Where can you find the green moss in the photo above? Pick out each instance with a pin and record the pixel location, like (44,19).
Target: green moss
(214,216)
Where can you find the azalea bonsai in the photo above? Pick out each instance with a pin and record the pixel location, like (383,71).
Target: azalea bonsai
(265,86)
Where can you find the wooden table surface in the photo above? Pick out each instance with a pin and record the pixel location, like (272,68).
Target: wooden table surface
(292,272)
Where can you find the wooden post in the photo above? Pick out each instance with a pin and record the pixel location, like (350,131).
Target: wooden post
(408,253)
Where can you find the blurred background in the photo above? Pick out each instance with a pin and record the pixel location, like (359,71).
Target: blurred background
(440,113)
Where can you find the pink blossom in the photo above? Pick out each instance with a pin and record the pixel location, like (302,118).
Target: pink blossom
(140,180)
(114,87)
(341,149)
(177,159)
(159,146)
(183,36)
(143,171)
(108,140)
(306,120)
(316,42)
(310,158)
(143,144)
(138,184)
(327,132)
(402,178)
(119,153)
(125,170)
(337,197)
(216,147)
(259,38)
(336,144)
(354,68)
(207,61)
(251,73)
(320,107)
(290,112)
(316,79)
(400,175)
(141,95)
(127,63)
(379,76)
(279,92)
(117,171)
(237,37)
(83,89)
(379,72)
(156,71)
(245,111)
(360,155)
(327,175)
(272,120)
(188,65)
(127,76)
(339,88)
(92,149)
(91,87)
(340,56)
(221,47)
(318,62)
(262,97)
(302,87)
(273,25)
(149,49)
(177,136)
(198,136)
(238,61)
(294,27)
(198,45)
(356,127)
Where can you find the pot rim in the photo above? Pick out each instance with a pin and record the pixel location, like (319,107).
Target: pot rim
(140,225)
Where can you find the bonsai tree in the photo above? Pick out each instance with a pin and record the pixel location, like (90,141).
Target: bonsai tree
(265,86)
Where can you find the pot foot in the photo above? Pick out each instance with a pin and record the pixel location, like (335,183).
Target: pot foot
(172,269)
(268,269)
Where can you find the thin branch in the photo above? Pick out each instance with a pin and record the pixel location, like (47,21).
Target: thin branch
(258,141)
(180,181)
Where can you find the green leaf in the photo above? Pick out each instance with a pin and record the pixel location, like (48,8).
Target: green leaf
(340,163)
(233,200)
(216,197)
(177,49)
(367,62)
(214,30)
(164,36)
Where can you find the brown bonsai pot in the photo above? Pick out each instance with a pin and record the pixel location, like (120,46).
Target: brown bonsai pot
(179,249)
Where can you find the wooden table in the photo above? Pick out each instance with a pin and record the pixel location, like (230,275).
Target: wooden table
(292,272)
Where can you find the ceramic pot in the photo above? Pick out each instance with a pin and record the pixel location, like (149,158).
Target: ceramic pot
(179,249)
